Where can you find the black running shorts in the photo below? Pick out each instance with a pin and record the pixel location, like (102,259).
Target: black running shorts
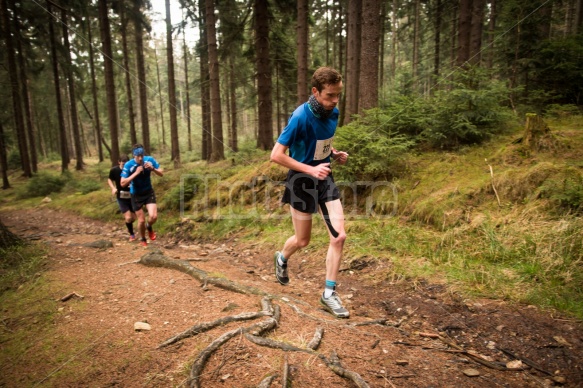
(125,205)
(304,193)
(141,199)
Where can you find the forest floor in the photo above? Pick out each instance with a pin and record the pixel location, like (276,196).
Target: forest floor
(424,335)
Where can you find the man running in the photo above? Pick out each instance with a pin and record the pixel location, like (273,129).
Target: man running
(138,171)
(309,185)
(124,198)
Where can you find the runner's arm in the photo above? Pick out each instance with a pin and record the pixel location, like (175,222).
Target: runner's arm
(279,156)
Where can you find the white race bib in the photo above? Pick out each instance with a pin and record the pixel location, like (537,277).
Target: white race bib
(125,194)
(323,148)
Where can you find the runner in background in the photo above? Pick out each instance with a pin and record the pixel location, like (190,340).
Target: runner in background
(124,198)
(136,173)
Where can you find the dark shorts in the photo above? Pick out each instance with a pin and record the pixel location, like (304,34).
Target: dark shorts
(141,199)
(125,205)
(304,192)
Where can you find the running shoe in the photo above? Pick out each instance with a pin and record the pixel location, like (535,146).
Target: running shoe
(333,304)
(152,235)
(144,243)
(280,270)
(132,237)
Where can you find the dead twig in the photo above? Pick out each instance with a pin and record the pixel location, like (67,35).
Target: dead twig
(71,295)
(528,362)
(315,342)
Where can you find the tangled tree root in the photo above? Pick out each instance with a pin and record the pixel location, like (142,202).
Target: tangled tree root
(253,333)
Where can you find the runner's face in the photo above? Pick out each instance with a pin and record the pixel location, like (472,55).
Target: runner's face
(329,96)
(139,159)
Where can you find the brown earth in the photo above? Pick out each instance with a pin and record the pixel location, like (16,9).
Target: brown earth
(426,335)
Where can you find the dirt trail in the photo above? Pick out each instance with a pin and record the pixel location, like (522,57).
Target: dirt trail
(401,350)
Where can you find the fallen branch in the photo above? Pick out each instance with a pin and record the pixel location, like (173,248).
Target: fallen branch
(528,362)
(266,382)
(71,295)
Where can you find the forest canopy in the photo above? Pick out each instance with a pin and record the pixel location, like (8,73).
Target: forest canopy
(89,79)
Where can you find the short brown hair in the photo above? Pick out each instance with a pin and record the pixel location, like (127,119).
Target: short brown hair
(325,76)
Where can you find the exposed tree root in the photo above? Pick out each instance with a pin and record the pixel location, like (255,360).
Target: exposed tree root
(334,364)
(254,333)
(157,259)
(266,382)
(315,342)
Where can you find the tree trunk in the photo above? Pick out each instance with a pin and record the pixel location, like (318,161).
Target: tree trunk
(109,80)
(265,125)
(217,152)
(3,160)
(416,39)
(437,42)
(175,148)
(128,72)
(477,27)
(26,98)
(73,100)
(160,97)
(141,67)
(464,31)
(369,54)
(16,98)
(234,143)
(186,87)
(62,130)
(353,59)
(302,51)
(97,122)
(206,127)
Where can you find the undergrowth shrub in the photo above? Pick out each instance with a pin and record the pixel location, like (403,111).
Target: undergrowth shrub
(375,151)
(20,263)
(565,192)
(181,194)
(42,184)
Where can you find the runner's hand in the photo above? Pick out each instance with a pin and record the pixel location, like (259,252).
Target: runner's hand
(139,169)
(113,191)
(341,156)
(320,171)
(148,166)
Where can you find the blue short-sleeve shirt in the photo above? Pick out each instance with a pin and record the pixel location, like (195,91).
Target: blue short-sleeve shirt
(142,183)
(308,137)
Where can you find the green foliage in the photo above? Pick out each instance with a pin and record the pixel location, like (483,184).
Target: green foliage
(559,69)
(42,184)
(375,152)
(179,196)
(85,186)
(469,112)
(14,159)
(565,192)
(561,111)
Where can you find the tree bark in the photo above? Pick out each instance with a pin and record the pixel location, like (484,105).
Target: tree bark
(175,148)
(205,92)
(7,238)
(477,27)
(353,59)
(302,51)
(62,130)
(142,87)
(3,160)
(186,87)
(217,152)
(96,120)
(16,98)
(464,31)
(369,54)
(112,112)
(265,125)
(72,95)
(26,98)
(127,73)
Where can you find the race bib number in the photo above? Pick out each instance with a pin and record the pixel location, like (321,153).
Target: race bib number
(323,148)
(125,194)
